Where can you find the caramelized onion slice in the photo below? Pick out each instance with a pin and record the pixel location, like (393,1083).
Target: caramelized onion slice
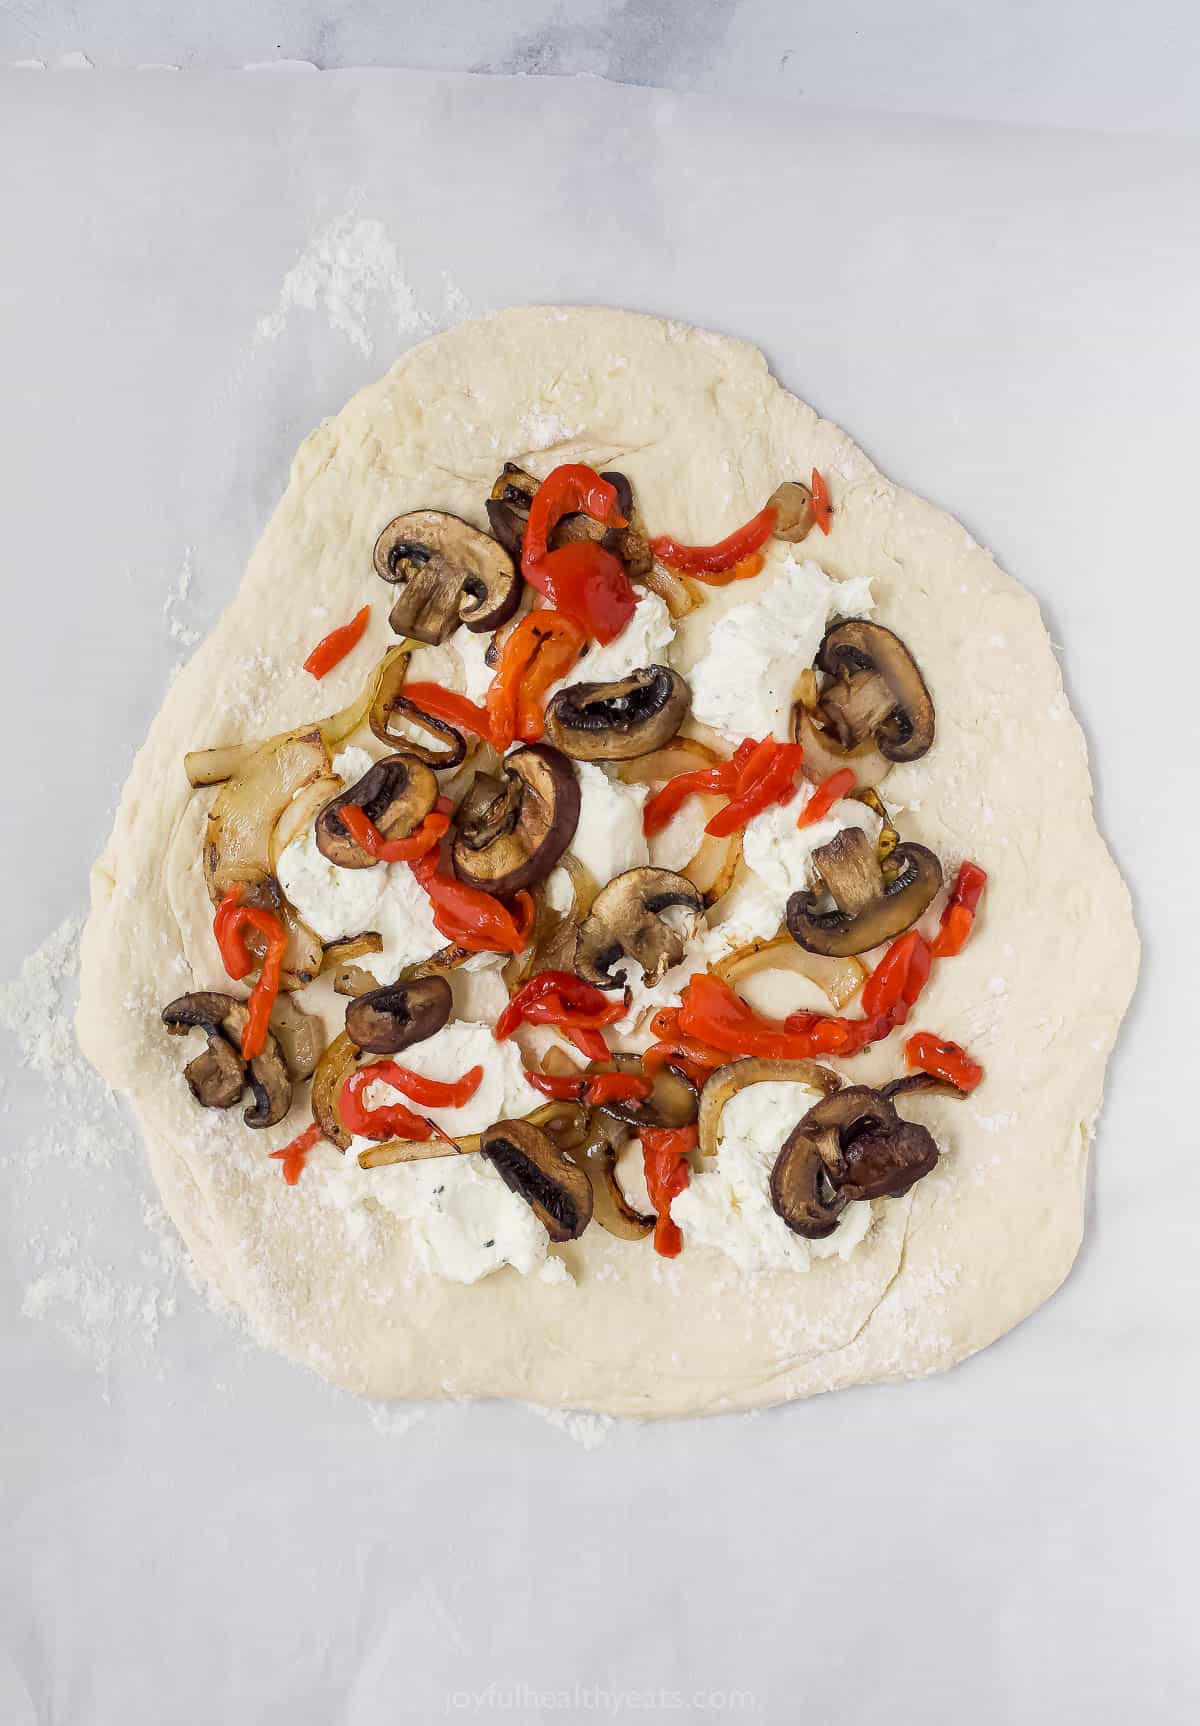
(678,594)
(681,755)
(839,979)
(610,1206)
(727,1081)
(714,866)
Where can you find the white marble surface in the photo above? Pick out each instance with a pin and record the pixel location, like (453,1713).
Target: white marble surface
(1094,63)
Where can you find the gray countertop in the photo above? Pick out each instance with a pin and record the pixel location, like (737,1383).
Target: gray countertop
(1080,63)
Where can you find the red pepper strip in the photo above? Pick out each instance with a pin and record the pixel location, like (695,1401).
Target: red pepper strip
(592,1090)
(949,1061)
(894,985)
(228,926)
(558,998)
(364,832)
(295,1155)
(446,704)
(959,914)
(825,796)
(720,779)
(726,554)
(820,496)
(334,647)
(394,1120)
(767,778)
(665,1152)
(582,579)
(470,917)
(716,1014)
(541,649)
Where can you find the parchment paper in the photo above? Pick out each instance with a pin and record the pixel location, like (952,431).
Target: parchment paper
(1006,321)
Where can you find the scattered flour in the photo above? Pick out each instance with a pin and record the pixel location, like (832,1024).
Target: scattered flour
(348,269)
(587,1430)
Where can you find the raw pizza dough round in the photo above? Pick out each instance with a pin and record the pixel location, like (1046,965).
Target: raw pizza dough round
(705,434)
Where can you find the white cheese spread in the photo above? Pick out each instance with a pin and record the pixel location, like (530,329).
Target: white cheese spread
(609,837)
(746,683)
(644,640)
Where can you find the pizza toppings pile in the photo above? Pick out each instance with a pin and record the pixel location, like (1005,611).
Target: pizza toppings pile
(625,1006)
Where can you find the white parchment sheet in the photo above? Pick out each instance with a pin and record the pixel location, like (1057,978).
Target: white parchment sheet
(195,270)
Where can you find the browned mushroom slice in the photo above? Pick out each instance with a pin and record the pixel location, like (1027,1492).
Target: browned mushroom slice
(869,910)
(299,1035)
(448,573)
(512,830)
(508,508)
(876,691)
(672,1103)
(794,514)
(851,1145)
(396,794)
(384,1021)
(617,721)
(211,1075)
(530,1164)
(626,922)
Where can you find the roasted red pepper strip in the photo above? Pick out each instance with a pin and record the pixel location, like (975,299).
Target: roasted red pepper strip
(294,1155)
(664,1153)
(470,917)
(447,704)
(591,1089)
(831,791)
(364,832)
(582,580)
(949,1061)
(768,777)
(717,1015)
(229,925)
(719,779)
(559,998)
(541,649)
(726,554)
(894,985)
(959,915)
(820,496)
(334,647)
(393,1120)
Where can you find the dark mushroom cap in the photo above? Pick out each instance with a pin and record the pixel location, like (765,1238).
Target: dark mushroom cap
(793,505)
(851,1145)
(511,831)
(211,1075)
(869,909)
(617,721)
(877,691)
(384,1021)
(626,922)
(448,573)
(530,1164)
(396,794)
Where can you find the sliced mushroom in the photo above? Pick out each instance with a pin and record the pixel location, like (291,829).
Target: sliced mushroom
(793,505)
(448,573)
(876,691)
(869,909)
(385,1021)
(617,721)
(627,922)
(851,1145)
(508,509)
(511,831)
(673,1101)
(300,1036)
(396,794)
(557,1190)
(211,1075)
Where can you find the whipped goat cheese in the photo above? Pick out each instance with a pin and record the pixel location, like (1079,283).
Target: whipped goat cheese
(609,837)
(644,640)
(729,1206)
(746,682)
(465,1222)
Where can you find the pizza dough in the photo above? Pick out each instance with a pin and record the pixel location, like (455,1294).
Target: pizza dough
(705,434)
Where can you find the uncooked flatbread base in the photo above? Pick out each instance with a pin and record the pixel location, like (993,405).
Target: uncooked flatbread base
(705,434)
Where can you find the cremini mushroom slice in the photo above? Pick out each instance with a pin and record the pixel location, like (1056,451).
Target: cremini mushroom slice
(724,1084)
(511,830)
(793,505)
(626,922)
(299,1034)
(396,794)
(876,692)
(447,573)
(673,1101)
(388,1020)
(851,1145)
(508,509)
(211,1075)
(556,1189)
(869,910)
(617,721)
